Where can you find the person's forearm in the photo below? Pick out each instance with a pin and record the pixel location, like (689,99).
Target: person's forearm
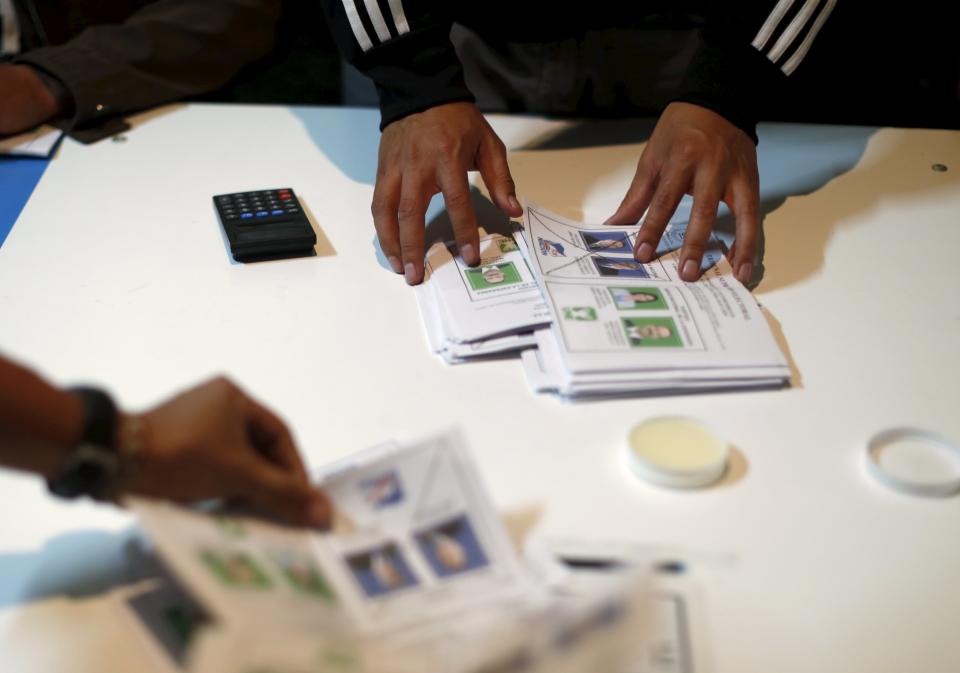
(168,50)
(38,422)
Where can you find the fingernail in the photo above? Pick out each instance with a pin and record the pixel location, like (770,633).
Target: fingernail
(745,273)
(690,270)
(512,200)
(410,273)
(645,252)
(395,263)
(468,254)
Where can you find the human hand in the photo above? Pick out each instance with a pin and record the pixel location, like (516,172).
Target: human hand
(214,441)
(26,100)
(695,151)
(428,153)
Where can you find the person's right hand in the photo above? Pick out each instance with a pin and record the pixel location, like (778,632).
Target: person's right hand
(26,101)
(427,153)
(214,441)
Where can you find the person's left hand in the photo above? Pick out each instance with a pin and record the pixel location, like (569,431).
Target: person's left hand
(695,151)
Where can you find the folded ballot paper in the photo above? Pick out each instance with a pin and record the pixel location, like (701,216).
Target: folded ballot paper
(619,326)
(419,574)
(490,310)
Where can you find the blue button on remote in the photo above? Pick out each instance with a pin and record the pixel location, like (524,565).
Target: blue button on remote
(246,216)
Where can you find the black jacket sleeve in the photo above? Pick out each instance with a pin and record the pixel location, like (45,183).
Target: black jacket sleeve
(170,49)
(747,51)
(404,47)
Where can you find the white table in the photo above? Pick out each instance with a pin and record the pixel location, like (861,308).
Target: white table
(117,273)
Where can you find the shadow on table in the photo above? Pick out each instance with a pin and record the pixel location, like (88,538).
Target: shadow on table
(350,141)
(74,565)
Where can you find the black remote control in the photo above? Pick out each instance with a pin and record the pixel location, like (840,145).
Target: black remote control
(265,224)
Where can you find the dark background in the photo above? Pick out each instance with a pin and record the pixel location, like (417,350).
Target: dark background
(872,65)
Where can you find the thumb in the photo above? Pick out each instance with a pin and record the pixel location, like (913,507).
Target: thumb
(493,167)
(283,494)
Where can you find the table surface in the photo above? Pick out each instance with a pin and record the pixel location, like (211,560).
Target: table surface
(117,272)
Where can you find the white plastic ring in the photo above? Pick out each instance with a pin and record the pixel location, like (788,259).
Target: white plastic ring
(915,461)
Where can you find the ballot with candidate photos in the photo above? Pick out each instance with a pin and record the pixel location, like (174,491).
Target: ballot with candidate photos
(621,326)
(489,310)
(588,320)
(418,573)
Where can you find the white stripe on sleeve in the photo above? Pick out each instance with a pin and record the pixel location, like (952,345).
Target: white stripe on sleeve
(376,18)
(10,38)
(770,25)
(359,32)
(804,47)
(399,17)
(790,34)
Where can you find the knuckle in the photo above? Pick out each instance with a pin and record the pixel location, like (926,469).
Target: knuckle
(704,211)
(410,251)
(660,212)
(223,383)
(689,148)
(446,146)
(380,206)
(694,247)
(456,198)
(407,208)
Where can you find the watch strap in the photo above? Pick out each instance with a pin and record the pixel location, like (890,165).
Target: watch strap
(94,462)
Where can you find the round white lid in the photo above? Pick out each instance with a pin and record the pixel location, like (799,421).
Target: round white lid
(677,452)
(915,461)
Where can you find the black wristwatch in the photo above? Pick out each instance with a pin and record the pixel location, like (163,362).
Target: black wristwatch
(94,463)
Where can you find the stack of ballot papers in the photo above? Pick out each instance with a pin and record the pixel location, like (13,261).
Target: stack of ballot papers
(620,326)
(588,320)
(486,311)
(418,574)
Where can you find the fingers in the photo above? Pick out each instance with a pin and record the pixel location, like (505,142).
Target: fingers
(746,208)
(703,217)
(273,490)
(456,195)
(415,195)
(670,189)
(386,197)
(637,198)
(430,152)
(272,439)
(491,161)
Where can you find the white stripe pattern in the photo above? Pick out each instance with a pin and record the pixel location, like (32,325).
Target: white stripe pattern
(790,34)
(399,17)
(376,18)
(770,25)
(359,32)
(10,39)
(804,47)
